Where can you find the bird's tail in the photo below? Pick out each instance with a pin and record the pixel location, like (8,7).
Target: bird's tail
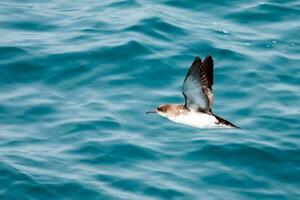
(224,121)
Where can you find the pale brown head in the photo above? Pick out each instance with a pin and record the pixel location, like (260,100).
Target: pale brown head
(167,110)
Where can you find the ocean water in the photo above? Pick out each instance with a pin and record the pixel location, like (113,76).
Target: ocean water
(78,76)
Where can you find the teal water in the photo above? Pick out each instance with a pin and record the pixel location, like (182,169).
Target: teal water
(78,76)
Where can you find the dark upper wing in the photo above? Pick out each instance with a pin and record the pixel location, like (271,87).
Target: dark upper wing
(197,85)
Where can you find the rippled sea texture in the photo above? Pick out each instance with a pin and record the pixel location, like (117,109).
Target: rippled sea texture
(78,76)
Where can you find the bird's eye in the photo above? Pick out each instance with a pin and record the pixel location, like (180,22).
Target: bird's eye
(159,109)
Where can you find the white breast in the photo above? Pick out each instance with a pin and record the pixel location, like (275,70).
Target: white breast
(199,120)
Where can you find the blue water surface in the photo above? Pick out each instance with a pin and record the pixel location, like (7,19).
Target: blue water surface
(78,76)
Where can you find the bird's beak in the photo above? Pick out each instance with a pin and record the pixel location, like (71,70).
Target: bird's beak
(152,111)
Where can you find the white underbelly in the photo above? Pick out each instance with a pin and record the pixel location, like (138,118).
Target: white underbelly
(199,120)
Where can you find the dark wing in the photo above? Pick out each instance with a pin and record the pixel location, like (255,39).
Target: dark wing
(197,85)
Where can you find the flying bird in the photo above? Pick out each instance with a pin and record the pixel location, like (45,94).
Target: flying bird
(199,98)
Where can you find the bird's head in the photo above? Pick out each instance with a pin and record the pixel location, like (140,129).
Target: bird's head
(166,110)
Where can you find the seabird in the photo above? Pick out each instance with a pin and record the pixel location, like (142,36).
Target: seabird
(199,98)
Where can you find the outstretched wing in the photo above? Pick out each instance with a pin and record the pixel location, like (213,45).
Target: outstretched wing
(197,85)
